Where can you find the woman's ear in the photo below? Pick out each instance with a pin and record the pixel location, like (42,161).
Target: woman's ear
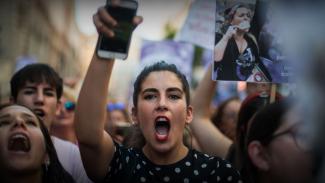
(59,107)
(258,155)
(134,116)
(189,114)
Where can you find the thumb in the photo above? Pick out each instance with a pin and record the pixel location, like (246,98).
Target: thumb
(136,21)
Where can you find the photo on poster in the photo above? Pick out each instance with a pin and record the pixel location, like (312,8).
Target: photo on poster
(247,46)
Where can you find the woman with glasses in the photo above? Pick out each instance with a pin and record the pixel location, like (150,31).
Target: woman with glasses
(63,125)
(225,117)
(275,148)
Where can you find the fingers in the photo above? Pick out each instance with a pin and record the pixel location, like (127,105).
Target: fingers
(104,22)
(233,28)
(101,28)
(105,17)
(231,31)
(136,21)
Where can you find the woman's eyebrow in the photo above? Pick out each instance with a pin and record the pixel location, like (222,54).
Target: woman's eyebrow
(5,116)
(175,89)
(27,115)
(149,90)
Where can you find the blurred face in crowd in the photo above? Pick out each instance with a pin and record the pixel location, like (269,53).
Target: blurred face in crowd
(65,117)
(229,119)
(117,115)
(117,123)
(289,157)
(286,157)
(252,88)
(41,98)
(22,144)
(162,111)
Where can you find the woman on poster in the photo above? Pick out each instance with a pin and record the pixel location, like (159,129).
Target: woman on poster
(236,54)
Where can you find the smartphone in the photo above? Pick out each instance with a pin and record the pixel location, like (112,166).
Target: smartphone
(118,46)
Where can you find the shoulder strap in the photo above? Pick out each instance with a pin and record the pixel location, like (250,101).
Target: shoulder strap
(255,41)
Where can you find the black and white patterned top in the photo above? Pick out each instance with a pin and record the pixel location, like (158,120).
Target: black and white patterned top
(131,165)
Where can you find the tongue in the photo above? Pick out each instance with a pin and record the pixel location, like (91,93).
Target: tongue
(161,133)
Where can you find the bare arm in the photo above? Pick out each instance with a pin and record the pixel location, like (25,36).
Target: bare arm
(210,139)
(220,47)
(96,146)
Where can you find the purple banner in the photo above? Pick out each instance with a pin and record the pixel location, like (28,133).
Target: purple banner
(180,54)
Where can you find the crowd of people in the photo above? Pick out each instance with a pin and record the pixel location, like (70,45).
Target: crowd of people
(48,135)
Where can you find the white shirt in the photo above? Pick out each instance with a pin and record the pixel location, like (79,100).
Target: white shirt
(69,156)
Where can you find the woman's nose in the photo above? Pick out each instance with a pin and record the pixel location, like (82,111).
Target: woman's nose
(162,105)
(19,123)
(39,97)
(246,17)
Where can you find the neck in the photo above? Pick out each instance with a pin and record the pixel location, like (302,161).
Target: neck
(22,178)
(165,158)
(239,36)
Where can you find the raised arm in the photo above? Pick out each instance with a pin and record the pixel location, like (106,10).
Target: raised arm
(220,47)
(96,146)
(210,139)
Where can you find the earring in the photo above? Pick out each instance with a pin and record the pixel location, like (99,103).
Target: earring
(47,164)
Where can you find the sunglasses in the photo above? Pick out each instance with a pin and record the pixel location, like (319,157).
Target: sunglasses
(115,106)
(69,106)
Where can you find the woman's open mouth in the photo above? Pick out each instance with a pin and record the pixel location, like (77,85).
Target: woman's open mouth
(39,112)
(162,126)
(19,142)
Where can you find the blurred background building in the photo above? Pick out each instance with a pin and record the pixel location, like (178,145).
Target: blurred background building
(61,33)
(40,31)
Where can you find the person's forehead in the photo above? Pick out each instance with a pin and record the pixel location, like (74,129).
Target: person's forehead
(292,116)
(233,105)
(116,112)
(242,10)
(289,119)
(16,110)
(38,84)
(166,77)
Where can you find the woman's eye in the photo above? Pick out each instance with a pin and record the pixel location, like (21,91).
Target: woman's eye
(149,97)
(4,123)
(174,97)
(31,123)
(28,92)
(51,94)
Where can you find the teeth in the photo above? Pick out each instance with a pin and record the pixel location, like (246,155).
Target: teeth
(18,136)
(161,119)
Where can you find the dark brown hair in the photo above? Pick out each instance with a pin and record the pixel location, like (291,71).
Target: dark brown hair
(54,171)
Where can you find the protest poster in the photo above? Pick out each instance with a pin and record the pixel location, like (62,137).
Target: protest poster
(199,26)
(248,46)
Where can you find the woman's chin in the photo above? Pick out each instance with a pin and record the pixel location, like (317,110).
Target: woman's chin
(244,30)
